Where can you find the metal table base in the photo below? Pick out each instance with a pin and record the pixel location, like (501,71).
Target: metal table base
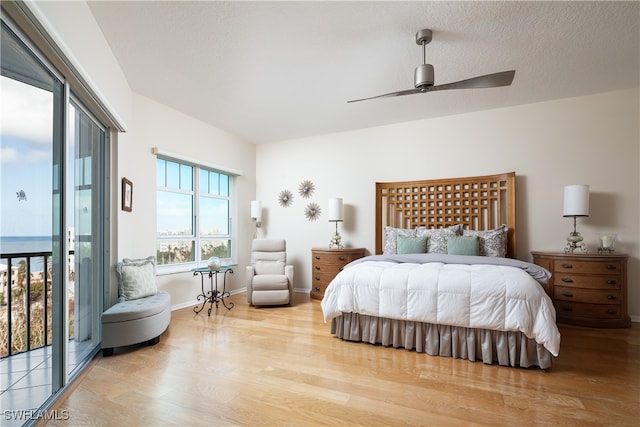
(213,295)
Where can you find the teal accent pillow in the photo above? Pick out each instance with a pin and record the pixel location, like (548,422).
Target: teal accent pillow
(411,245)
(463,245)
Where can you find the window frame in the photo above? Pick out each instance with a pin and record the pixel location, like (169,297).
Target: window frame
(197,236)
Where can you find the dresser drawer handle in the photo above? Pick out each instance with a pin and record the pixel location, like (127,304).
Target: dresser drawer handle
(317,278)
(317,256)
(610,311)
(341,258)
(567,280)
(567,308)
(611,297)
(317,289)
(567,294)
(317,267)
(611,282)
(611,267)
(567,266)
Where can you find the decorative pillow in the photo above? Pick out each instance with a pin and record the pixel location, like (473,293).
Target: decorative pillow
(438,237)
(462,245)
(269,267)
(391,238)
(136,278)
(491,242)
(411,245)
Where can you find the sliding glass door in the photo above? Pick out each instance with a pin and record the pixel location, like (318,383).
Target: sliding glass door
(53,232)
(85,179)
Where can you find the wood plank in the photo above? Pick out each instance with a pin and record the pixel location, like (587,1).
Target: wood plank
(281,366)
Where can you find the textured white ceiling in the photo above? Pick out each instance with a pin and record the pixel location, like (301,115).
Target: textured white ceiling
(269,71)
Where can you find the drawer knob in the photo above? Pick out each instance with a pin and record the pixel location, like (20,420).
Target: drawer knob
(567,280)
(611,311)
(567,266)
(567,294)
(341,258)
(611,266)
(317,278)
(566,308)
(317,256)
(611,282)
(317,267)
(317,289)
(611,297)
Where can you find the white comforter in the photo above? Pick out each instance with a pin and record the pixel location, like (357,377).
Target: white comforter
(486,296)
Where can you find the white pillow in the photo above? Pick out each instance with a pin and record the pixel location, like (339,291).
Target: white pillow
(136,278)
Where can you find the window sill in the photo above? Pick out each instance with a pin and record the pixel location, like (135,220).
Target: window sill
(184,268)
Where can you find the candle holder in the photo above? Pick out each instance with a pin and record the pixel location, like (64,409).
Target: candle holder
(607,243)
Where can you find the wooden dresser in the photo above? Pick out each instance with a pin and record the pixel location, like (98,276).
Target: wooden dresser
(587,290)
(326,263)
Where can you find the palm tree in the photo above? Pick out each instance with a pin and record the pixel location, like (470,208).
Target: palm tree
(22,276)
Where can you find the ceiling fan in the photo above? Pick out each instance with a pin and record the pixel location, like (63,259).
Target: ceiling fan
(423,76)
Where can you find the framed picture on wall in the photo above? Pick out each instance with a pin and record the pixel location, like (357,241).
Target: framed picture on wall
(127,195)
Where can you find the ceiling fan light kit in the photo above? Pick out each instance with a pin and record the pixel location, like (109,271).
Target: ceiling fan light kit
(423,76)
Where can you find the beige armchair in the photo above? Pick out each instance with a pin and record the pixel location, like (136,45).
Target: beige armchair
(269,278)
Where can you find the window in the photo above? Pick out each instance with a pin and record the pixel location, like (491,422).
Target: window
(193,214)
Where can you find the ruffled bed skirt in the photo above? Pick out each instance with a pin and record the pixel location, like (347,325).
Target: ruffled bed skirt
(505,348)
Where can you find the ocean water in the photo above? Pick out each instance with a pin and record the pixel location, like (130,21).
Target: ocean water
(25,244)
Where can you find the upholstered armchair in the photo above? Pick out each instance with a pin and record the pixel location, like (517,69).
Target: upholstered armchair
(269,278)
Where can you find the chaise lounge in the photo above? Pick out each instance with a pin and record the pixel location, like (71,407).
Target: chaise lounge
(141,314)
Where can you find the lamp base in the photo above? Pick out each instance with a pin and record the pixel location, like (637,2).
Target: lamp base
(336,241)
(575,243)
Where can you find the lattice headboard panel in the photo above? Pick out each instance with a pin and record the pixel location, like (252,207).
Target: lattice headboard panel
(478,202)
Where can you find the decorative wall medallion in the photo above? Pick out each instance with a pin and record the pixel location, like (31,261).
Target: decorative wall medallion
(306,188)
(285,198)
(312,211)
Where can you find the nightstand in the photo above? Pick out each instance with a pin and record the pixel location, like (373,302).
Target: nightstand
(326,263)
(587,290)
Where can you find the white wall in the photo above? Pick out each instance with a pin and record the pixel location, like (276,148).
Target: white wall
(587,140)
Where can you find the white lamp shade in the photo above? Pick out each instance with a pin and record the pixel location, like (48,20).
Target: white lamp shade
(336,210)
(576,200)
(256,209)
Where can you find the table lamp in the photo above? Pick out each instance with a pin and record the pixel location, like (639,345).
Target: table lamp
(576,203)
(336,214)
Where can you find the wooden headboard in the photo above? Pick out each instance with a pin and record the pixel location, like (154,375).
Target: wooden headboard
(477,202)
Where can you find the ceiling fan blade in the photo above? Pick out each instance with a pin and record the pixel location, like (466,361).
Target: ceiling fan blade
(503,78)
(400,93)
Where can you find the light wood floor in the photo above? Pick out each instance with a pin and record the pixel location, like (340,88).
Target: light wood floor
(280,366)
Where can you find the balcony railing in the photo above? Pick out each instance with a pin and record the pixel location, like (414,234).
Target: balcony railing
(26,301)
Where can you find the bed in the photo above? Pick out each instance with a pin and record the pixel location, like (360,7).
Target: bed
(445,279)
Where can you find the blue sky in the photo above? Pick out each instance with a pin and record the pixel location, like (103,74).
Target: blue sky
(25,159)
